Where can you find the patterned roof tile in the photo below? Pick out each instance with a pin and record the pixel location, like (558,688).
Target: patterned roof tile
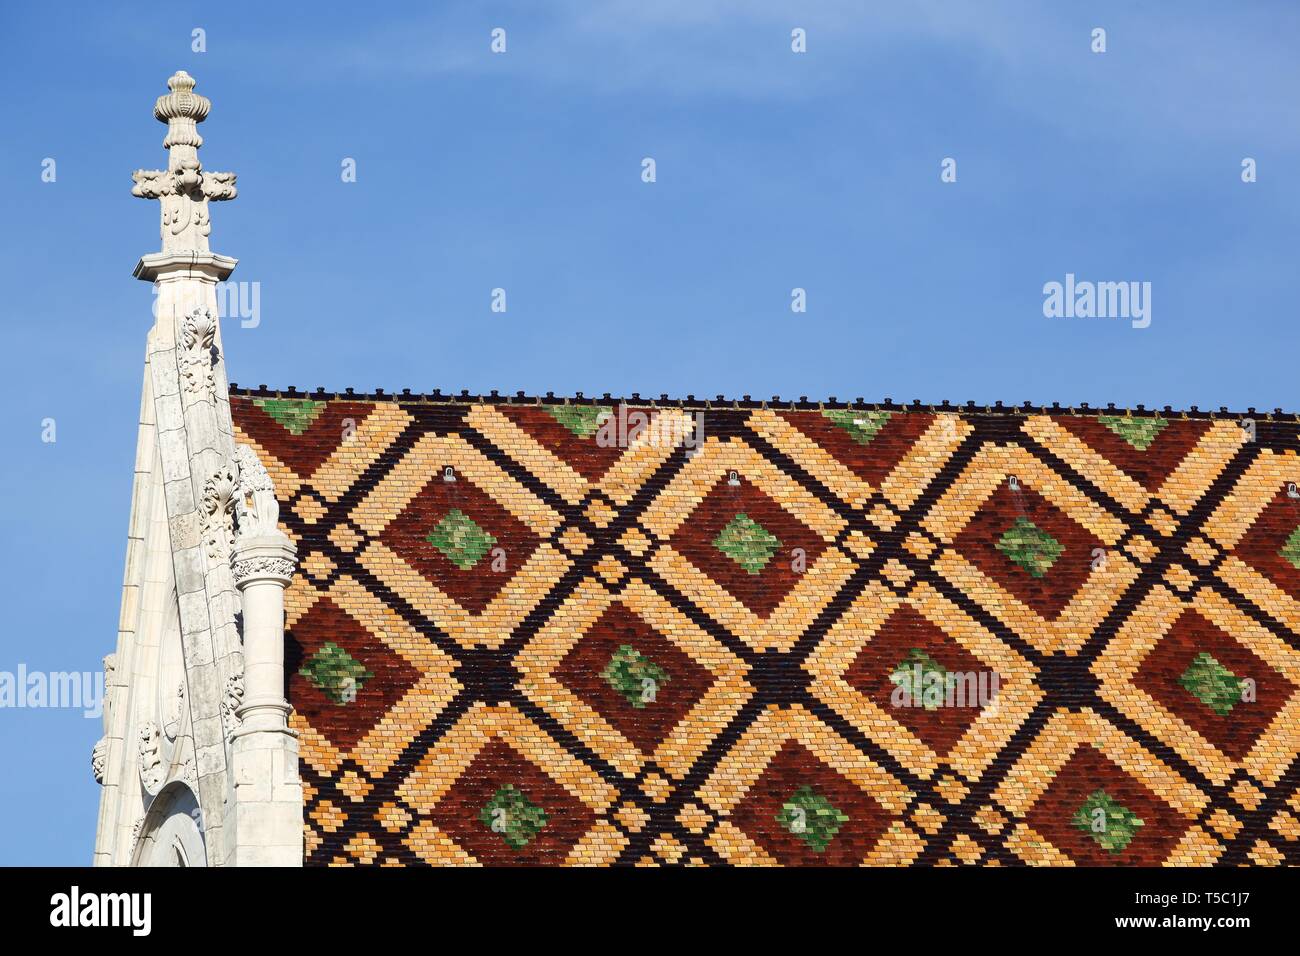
(788,632)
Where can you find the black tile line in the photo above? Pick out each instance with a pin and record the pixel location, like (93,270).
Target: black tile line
(1255,826)
(1223,800)
(520,473)
(994,845)
(1076,479)
(806,480)
(982,790)
(1210,578)
(1092,699)
(687,788)
(390,843)
(641,842)
(418,621)
(362,485)
(1154,745)
(1152,572)
(740,724)
(834,608)
(1130,601)
(630,515)
(350,565)
(394,602)
(857,519)
(571,743)
(876,752)
(895,771)
(1004,431)
(814,706)
(989,781)
(699,846)
(889,544)
(1086,696)
(697,616)
(386,784)
(926,573)
(1251,610)
(834,611)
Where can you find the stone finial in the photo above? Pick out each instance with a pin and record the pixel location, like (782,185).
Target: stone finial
(182,110)
(183,188)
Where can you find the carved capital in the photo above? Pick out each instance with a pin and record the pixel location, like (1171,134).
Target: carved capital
(277,569)
(268,557)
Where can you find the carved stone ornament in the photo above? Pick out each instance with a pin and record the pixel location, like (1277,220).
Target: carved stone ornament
(110,697)
(175,709)
(151,768)
(217,511)
(183,188)
(259,512)
(263,567)
(231,701)
(198,356)
(99,759)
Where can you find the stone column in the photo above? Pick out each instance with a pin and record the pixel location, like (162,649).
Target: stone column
(267,806)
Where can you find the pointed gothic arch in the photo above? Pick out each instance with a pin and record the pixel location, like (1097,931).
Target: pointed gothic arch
(172,833)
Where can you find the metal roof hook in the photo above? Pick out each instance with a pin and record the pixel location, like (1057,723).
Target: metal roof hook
(1013,482)
(733,478)
(449,474)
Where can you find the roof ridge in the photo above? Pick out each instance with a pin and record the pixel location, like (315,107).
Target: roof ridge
(745,402)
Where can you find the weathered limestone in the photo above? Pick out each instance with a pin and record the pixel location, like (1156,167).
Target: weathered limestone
(268,793)
(180,696)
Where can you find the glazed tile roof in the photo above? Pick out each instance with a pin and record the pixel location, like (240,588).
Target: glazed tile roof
(523,632)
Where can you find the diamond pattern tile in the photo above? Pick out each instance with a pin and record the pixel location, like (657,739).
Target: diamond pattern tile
(828,636)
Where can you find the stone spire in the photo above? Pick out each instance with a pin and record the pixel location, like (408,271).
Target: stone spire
(185,446)
(183,188)
(234,636)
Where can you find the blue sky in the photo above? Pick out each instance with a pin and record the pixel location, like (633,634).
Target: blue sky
(523,171)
